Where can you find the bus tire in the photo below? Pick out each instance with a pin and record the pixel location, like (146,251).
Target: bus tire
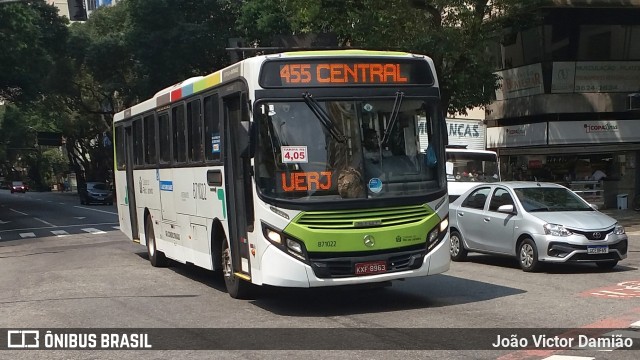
(156,257)
(236,288)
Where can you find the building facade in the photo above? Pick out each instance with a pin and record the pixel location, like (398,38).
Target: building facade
(79,10)
(569,100)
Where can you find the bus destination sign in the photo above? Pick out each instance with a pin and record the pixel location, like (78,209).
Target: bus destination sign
(345,72)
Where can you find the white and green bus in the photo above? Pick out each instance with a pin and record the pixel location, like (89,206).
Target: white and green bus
(299,169)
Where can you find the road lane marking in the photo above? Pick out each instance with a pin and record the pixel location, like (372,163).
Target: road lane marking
(568,357)
(27,235)
(59,233)
(94,231)
(618,322)
(44,222)
(19,212)
(116,227)
(635,325)
(102,211)
(623,290)
(61,226)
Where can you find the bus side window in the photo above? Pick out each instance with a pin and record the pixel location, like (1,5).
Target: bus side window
(120,156)
(194,126)
(179,127)
(138,151)
(164,132)
(150,155)
(212,144)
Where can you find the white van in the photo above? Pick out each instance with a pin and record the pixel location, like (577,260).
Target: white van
(467,168)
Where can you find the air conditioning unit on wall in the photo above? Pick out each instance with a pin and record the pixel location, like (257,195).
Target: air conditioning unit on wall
(633,101)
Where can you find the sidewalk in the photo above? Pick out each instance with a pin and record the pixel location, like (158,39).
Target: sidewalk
(626,217)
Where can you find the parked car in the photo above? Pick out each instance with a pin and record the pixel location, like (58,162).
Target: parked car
(18,186)
(535,222)
(95,192)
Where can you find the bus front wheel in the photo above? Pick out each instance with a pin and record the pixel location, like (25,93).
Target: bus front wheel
(156,257)
(236,287)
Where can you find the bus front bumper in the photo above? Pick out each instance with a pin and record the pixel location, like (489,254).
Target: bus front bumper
(280,269)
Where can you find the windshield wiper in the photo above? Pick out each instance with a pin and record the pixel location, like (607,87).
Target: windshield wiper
(394,116)
(324,118)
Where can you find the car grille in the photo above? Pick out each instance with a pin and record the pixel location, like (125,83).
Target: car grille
(593,235)
(362,219)
(556,248)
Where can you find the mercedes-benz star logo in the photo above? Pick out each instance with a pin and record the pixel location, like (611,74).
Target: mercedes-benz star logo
(597,235)
(369,240)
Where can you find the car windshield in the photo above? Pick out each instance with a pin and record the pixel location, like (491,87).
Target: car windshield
(463,166)
(98,186)
(328,150)
(17,183)
(550,199)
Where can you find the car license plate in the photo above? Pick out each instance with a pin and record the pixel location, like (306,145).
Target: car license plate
(371,267)
(604,249)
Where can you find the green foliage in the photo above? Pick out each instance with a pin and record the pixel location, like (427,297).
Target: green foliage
(173,40)
(455,33)
(32,37)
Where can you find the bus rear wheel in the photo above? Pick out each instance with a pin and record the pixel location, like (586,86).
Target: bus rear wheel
(236,287)
(156,257)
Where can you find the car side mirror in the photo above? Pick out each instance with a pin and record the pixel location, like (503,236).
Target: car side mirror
(507,209)
(594,206)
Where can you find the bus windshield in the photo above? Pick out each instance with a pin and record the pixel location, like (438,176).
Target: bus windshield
(328,150)
(467,166)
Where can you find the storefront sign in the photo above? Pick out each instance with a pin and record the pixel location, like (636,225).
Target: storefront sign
(466,132)
(595,76)
(588,132)
(521,81)
(517,135)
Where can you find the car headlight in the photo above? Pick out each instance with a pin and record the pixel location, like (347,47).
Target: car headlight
(556,230)
(618,230)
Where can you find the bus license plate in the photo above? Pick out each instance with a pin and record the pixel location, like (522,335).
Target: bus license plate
(371,267)
(598,249)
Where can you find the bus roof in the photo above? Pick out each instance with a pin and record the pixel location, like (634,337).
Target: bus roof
(199,83)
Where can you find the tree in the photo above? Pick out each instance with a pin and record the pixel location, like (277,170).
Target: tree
(32,37)
(173,40)
(455,33)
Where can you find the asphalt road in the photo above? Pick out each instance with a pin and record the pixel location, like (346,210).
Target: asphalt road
(41,214)
(102,280)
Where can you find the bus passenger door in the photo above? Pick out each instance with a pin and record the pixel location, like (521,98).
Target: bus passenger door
(131,193)
(238,179)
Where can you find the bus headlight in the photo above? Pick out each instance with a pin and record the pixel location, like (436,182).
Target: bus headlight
(437,233)
(274,236)
(295,248)
(290,246)
(433,236)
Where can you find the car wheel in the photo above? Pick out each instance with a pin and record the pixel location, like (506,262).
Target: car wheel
(608,265)
(236,287)
(528,255)
(156,257)
(456,248)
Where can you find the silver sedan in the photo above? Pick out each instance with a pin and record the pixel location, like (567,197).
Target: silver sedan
(535,222)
